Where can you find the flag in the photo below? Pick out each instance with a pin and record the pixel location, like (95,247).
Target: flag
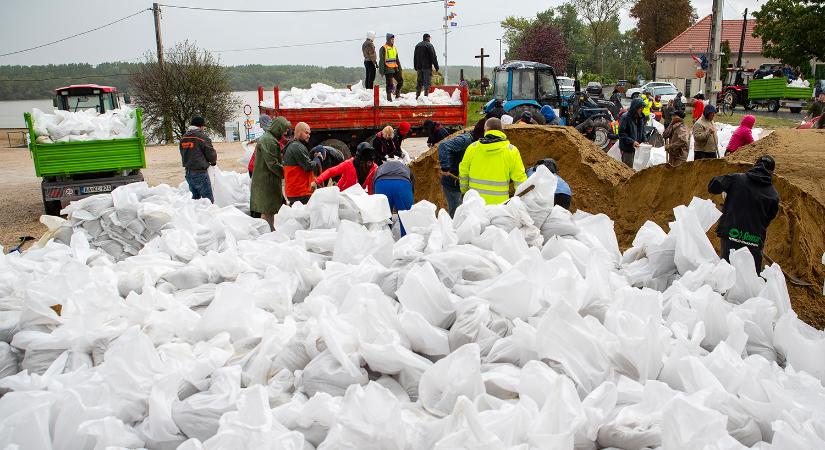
(697,59)
(453,24)
(450,3)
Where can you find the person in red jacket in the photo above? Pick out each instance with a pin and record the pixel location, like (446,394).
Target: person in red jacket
(743,135)
(698,106)
(359,169)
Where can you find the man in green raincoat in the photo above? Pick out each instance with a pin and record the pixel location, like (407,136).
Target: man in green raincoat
(268,175)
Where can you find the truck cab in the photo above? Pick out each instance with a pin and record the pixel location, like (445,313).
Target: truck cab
(78,97)
(525,86)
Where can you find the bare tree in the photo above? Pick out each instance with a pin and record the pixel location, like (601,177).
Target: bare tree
(598,14)
(191,82)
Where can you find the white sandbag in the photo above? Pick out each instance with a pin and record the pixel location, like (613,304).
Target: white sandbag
(802,345)
(325,374)
(423,293)
(198,415)
(689,425)
(355,243)
(641,157)
(458,374)
(692,245)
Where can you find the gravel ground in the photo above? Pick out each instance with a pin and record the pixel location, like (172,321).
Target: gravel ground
(21,203)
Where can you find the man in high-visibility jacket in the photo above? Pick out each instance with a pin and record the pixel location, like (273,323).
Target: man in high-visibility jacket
(648,99)
(390,67)
(490,164)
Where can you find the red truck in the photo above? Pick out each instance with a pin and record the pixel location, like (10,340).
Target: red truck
(345,127)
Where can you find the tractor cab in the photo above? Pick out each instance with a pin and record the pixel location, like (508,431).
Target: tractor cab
(78,97)
(524,86)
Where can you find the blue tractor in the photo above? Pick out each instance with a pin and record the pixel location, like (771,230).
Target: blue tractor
(525,86)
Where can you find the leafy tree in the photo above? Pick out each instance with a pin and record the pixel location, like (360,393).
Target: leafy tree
(791,30)
(190,83)
(659,24)
(599,16)
(724,59)
(543,43)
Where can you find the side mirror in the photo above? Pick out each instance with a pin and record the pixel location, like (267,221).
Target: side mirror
(55,103)
(127,99)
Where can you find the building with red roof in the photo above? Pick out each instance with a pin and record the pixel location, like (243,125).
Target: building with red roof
(675,63)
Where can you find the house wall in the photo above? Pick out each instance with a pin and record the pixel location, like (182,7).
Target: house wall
(678,69)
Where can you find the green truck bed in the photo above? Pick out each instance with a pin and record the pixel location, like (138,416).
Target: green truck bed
(69,158)
(777,88)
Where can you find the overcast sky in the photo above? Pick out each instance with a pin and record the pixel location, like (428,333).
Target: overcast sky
(33,22)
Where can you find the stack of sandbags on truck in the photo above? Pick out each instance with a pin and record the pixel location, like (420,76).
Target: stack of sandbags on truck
(328,333)
(84,125)
(320,95)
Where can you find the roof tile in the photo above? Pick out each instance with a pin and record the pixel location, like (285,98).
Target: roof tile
(696,39)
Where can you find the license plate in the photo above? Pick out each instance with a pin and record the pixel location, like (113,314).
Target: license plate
(96,189)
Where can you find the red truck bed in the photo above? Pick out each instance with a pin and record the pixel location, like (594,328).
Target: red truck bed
(373,117)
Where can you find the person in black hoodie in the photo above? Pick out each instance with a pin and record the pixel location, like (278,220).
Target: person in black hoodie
(751,203)
(424,59)
(631,131)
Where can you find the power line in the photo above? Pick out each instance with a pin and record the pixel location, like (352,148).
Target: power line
(75,35)
(339,41)
(288,11)
(69,76)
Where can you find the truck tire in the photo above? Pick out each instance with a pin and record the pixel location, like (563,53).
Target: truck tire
(602,130)
(773,105)
(518,110)
(796,109)
(339,145)
(52,207)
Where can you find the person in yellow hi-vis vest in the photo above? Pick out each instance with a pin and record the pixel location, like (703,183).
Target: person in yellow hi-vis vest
(647,97)
(390,67)
(490,164)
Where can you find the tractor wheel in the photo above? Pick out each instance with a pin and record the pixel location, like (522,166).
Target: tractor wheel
(730,99)
(516,113)
(339,145)
(602,130)
(773,106)
(52,207)
(796,110)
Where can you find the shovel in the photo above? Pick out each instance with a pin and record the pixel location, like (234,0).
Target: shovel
(794,280)
(23,240)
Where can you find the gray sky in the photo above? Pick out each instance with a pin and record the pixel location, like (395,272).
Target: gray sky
(35,22)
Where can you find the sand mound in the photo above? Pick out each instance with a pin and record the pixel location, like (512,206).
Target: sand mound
(592,174)
(602,185)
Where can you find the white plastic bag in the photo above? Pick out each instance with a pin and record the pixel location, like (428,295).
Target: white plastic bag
(423,293)
(458,374)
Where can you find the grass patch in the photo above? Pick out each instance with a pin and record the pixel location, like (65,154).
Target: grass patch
(761,121)
(474,113)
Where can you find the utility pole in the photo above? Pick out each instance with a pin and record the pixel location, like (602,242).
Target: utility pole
(499,51)
(715,45)
(167,124)
(742,39)
(158,39)
(446,31)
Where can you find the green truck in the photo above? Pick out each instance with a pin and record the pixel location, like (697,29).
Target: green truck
(73,170)
(774,93)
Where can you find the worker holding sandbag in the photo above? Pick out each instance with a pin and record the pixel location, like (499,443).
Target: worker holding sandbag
(490,164)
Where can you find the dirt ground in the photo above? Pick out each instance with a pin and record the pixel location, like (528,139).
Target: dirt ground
(21,203)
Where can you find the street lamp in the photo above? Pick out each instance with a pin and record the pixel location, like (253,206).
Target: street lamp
(499,51)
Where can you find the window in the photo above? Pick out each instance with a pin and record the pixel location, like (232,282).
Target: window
(524,84)
(81,102)
(108,102)
(501,85)
(547,86)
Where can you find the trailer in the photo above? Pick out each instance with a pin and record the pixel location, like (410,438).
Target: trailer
(74,170)
(774,93)
(345,127)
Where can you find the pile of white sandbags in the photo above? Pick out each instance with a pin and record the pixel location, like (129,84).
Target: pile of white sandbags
(800,83)
(320,95)
(122,223)
(84,125)
(465,333)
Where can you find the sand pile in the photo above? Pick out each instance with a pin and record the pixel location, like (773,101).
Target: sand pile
(602,185)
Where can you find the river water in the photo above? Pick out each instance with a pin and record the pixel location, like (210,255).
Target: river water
(11,112)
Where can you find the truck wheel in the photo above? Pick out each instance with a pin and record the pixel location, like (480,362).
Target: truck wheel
(773,106)
(602,130)
(796,110)
(341,146)
(518,110)
(52,207)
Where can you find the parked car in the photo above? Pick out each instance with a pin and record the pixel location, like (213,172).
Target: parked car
(594,88)
(621,86)
(665,93)
(635,92)
(567,86)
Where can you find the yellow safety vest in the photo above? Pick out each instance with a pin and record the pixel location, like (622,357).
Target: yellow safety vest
(390,57)
(648,104)
(488,168)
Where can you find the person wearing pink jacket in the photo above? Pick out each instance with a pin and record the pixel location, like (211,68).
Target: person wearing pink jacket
(743,135)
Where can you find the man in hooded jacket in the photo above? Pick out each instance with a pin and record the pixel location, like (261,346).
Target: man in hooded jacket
(424,60)
(631,131)
(751,203)
(266,191)
(490,164)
